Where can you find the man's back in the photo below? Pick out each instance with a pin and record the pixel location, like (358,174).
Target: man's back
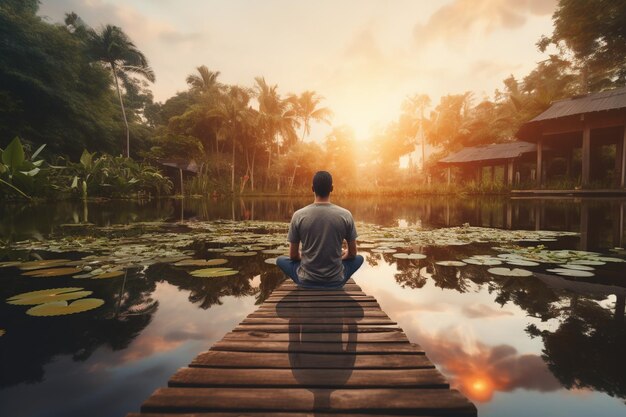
(321,229)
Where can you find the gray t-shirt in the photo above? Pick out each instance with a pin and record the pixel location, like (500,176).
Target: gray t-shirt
(321,229)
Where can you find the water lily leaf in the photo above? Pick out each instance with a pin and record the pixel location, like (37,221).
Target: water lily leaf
(48,263)
(61,308)
(451,263)
(239,253)
(2,332)
(566,272)
(216,250)
(483,261)
(201,262)
(415,256)
(275,251)
(578,267)
(52,272)
(9,263)
(213,272)
(271,261)
(46,296)
(608,259)
(109,274)
(587,262)
(521,262)
(506,272)
(384,250)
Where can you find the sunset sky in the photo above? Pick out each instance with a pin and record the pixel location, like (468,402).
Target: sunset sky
(363,56)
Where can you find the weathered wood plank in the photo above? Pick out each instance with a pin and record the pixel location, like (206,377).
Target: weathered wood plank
(265,414)
(305,322)
(224,359)
(272,307)
(305,298)
(355,347)
(253,336)
(324,304)
(313,313)
(307,378)
(317,328)
(376,400)
(292,287)
(317,293)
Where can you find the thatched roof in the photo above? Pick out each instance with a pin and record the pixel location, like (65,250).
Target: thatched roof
(496,151)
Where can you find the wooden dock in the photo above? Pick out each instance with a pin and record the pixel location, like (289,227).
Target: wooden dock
(310,353)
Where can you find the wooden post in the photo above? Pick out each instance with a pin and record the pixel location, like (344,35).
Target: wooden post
(568,163)
(510,168)
(479,174)
(493,174)
(449,174)
(180,171)
(622,172)
(538,176)
(586,151)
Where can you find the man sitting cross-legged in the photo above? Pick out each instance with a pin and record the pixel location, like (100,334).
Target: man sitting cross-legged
(321,228)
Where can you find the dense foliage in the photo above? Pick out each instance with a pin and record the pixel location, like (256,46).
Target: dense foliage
(75,88)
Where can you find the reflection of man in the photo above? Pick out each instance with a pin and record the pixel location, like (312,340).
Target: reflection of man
(321,228)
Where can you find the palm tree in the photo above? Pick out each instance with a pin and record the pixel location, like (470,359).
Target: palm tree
(306,110)
(277,118)
(113,47)
(414,106)
(236,120)
(205,82)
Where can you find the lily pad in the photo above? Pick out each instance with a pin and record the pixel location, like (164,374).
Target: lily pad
(61,308)
(587,262)
(213,272)
(483,261)
(45,296)
(9,263)
(506,272)
(608,259)
(201,262)
(271,261)
(577,267)
(451,263)
(2,332)
(239,253)
(48,263)
(275,251)
(109,274)
(52,272)
(566,272)
(521,262)
(415,256)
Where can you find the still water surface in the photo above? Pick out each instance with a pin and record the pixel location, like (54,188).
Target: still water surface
(515,346)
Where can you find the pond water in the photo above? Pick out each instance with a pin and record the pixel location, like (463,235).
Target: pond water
(546,344)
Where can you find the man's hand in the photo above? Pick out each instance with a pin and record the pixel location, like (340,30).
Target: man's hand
(294,251)
(350,252)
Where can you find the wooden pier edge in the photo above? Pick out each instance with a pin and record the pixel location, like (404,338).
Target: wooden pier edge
(306,353)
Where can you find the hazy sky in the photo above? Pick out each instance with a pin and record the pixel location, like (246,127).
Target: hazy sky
(363,56)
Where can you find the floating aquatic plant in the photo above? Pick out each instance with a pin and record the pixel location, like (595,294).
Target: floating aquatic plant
(213,272)
(415,256)
(450,263)
(506,272)
(61,308)
(567,272)
(52,272)
(201,262)
(50,295)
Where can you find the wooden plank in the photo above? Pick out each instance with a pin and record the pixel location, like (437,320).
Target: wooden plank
(355,347)
(273,307)
(315,320)
(323,304)
(376,400)
(313,313)
(318,298)
(317,328)
(264,414)
(315,293)
(224,359)
(307,378)
(347,287)
(380,337)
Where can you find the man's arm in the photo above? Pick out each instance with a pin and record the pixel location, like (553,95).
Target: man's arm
(351,252)
(294,251)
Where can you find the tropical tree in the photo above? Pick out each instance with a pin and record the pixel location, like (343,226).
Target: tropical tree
(277,119)
(236,120)
(205,82)
(306,108)
(113,47)
(414,107)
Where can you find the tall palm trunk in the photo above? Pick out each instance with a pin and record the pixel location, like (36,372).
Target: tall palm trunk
(119,94)
(232,168)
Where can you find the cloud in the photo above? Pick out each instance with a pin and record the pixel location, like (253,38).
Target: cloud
(476,311)
(454,21)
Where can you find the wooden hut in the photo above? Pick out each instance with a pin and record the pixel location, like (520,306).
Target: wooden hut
(510,156)
(592,127)
(177,169)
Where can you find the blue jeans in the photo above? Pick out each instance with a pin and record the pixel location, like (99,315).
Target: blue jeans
(290,268)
